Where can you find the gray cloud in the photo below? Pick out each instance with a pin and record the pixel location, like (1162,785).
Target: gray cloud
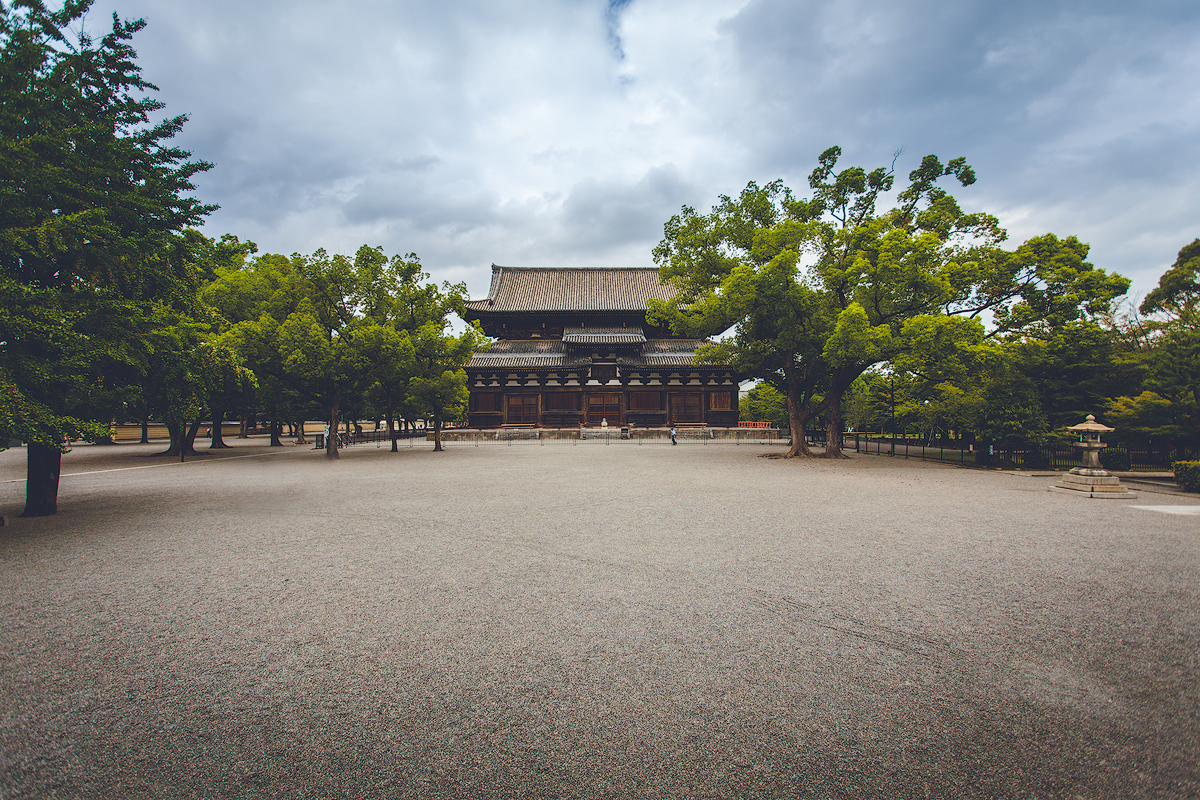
(557,132)
(596,212)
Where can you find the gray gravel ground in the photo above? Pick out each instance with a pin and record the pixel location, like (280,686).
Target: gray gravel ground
(591,621)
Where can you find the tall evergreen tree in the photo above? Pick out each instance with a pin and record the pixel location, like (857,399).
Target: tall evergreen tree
(93,200)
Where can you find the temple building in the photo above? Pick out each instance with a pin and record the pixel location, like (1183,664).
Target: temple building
(574,348)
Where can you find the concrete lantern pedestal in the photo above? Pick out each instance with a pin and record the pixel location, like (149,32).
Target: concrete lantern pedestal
(1090,478)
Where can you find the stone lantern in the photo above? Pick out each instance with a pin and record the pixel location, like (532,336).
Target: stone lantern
(1090,478)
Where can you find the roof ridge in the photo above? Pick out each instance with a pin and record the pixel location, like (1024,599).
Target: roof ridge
(592,289)
(496,267)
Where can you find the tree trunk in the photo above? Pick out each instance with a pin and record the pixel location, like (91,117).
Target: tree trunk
(437,432)
(839,382)
(331,449)
(392,426)
(276,432)
(244,433)
(145,430)
(41,480)
(218,420)
(175,432)
(299,430)
(189,442)
(833,428)
(795,420)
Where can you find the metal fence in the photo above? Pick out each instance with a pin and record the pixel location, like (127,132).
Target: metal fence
(575,437)
(1119,457)
(378,437)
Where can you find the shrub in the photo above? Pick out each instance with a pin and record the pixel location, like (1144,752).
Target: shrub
(1115,458)
(1187,475)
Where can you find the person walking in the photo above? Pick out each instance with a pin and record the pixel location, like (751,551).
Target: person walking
(673,435)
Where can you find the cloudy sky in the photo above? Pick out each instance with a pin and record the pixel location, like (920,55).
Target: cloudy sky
(565,132)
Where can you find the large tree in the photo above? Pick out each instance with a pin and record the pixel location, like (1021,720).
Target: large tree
(1165,347)
(93,200)
(818,290)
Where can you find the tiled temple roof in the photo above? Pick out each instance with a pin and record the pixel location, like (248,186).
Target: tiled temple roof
(564,289)
(547,354)
(665,353)
(552,354)
(619,336)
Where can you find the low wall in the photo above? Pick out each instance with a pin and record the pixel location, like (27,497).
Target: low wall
(610,433)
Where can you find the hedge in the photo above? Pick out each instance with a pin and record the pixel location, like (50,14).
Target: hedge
(1187,475)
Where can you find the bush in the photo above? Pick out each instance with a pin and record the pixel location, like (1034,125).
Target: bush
(1187,475)
(1115,458)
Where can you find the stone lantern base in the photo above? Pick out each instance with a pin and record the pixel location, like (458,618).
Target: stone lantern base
(1101,486)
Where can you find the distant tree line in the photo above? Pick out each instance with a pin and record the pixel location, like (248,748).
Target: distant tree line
(1137,370)
(281,339)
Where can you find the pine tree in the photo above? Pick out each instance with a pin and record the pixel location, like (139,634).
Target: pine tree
(93,202)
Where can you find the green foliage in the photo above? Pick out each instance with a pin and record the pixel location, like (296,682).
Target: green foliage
(1178,290)
(91,196)
(1187,475)
(93,208)
(439,386)
(1150,415)
(1075,369)
(1011,417)
(442,397)
(764,403)
(1158,359)
(173,386)
(21,418)
(1045,284)
(854,340)
(819,290)
(880,285)
(344,333)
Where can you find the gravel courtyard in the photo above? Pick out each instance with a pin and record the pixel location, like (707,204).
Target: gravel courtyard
(590,621)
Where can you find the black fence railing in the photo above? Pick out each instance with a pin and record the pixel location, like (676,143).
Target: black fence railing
(612,435)
(365,437)
(1117,457)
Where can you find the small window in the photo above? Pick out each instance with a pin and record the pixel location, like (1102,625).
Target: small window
(562,401)
(644,401)
(489,401)
(720,401)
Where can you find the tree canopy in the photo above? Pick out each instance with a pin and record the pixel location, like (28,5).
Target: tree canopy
(818,290)
(93,204)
